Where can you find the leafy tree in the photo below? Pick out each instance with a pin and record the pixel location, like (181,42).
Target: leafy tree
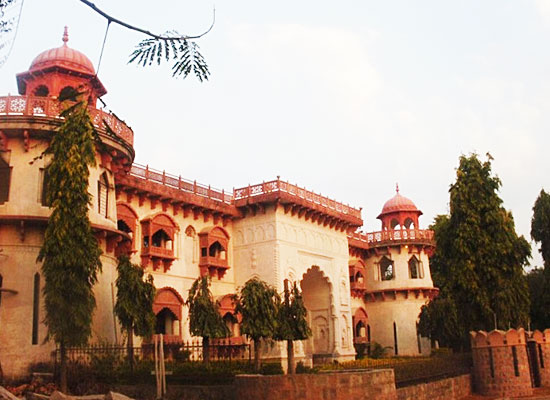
(478,262)
(258,303)
(70,252)
(204,317)
(134,302)
(292,322)
(540,226)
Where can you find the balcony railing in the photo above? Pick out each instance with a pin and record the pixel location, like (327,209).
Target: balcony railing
(50,107)
(397,235)
(212,262)
(358,285)
(159,252)
(281,186)
(177,182)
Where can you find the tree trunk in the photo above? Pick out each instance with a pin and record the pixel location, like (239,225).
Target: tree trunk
(130,347)
(206,350)
(63,368)
(290,356)
(257,358)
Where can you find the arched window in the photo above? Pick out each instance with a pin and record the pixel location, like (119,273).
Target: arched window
(414,272)
(395,348)
(103,195)
(45,184)
(68,93)
(5,178)
(232,324)
(409,223)
(0,289)
(386,269)
(394,224)
(161,239)
(41,91)
(216,250)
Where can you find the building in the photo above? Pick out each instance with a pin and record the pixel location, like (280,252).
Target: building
(358,287)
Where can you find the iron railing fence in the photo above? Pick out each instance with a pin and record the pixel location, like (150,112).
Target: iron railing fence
(222,350)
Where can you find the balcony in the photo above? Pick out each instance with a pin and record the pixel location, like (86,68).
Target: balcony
(158,256)
(50,107)
(213,266)
(389,237)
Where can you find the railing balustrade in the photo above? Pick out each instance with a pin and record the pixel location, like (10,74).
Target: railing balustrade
(394,235)
(281,186)
(50,107)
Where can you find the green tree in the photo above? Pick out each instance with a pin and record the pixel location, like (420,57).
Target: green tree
(292,322)
(204,317)
(258,303)
(134,302)
(478,261)
(540,226)
(70,252)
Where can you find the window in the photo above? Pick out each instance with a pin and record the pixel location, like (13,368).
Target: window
(0,290)
(414,272)
(103,195)
(396,349)
(386,269)
(45,182)
(161,239)
(41,91)
(5,177)
(35,308)
(68,93)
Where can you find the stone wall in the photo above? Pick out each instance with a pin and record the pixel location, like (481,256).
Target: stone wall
(542,340)
(375,384)
(445,389)
(501,366)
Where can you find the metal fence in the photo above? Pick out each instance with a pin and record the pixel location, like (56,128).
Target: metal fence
(223,350)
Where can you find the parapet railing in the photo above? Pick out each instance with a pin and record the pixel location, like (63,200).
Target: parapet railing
(50,107)
(177,182)
(281,186)
(393,235)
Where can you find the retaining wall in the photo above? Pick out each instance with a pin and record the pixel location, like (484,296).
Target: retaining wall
(445,389)
(357,385)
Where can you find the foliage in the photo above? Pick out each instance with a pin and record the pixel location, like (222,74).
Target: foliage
(478,261)
(258,303)
(292,317)
(135,298)
(378,351)
(540,226)
(6,25)
(204,317)
(538,281)
(303,369)
(185,53)
(70,252)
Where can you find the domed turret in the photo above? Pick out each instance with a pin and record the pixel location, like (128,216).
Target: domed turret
(399,212)
(59,68)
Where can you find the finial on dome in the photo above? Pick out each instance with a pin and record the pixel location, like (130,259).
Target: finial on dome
(397,188)
(65,36)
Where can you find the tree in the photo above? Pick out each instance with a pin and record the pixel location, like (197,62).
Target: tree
(292,322)
(540,226)
(134,302)
(539,278)
(478,261)
(70,252)
(258,303)
(204,317)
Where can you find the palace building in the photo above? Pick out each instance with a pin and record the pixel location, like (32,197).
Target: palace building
(358,287)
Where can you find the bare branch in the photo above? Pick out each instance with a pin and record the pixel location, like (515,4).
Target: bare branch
(146,32)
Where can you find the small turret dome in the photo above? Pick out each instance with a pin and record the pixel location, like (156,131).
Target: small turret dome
(399,211)
(398,203)
(63,56)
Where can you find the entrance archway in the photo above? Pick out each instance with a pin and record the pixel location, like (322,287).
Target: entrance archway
(316,290)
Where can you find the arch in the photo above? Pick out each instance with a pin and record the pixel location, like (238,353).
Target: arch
(127,214)
(414,268)
(360,323)
(45,183)
(158,222)
(169,298)
(190,231)
(5,180)
(41,91)
(213,242)
(68,93)
(394,223)
(317,296)
(215,230)
(387,272)
(103,195)
(409,223)
(35,308)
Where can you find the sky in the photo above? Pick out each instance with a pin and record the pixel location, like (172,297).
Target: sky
(344,98)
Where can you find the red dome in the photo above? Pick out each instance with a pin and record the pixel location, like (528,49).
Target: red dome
(398,203)
(63,57)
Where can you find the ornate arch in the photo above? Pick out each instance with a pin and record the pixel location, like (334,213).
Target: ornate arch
(168,297)
(127,214)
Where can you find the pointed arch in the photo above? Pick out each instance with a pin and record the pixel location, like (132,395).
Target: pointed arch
(5,180)
(103,195)
(387,269)
(169,298)
(414,268)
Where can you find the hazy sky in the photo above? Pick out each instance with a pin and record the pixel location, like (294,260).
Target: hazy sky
(345,98)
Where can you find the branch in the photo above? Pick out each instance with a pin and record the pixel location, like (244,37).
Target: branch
(148,33)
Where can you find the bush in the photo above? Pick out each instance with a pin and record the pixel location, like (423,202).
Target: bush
(271,369)
(378,351)
(302,369)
